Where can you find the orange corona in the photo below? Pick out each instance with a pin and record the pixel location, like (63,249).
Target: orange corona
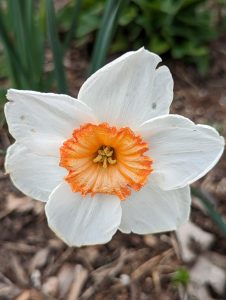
(104,159)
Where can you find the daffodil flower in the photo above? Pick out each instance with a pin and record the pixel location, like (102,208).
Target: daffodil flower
(112,159)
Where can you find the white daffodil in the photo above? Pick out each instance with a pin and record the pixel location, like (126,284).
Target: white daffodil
(112,159)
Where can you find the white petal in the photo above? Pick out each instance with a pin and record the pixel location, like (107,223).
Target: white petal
(129,90)
(182,152)
(153,210)
(36,176)
(43,121)
(82,221)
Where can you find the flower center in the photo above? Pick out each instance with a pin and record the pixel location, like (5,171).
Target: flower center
(105,156)
(104,159)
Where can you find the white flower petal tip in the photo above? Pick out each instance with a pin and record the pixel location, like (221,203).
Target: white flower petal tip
(129,90)
(154,210)
(182,152)
(79,222)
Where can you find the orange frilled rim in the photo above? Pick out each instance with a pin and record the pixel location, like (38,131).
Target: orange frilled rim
(104,159)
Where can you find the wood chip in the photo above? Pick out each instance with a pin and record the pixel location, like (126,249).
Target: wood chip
(36,278)
(80,277)
(148,266)
(19,271)
(54,267)
(151,240)
(51,286)
(39,259)
(31,295)
(65,278)
(19,204)
(8,290)
(20,247)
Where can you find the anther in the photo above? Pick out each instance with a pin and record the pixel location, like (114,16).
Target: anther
(111,161)
(104,156)
(98,159)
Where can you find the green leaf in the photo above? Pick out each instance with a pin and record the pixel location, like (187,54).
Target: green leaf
(105,34)
(158,45)
(74,23)
(128,16)
(56,47)
(17,70)
(213,213)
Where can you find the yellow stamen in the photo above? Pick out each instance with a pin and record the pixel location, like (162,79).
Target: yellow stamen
(104,156)
(111,161)
(99,158)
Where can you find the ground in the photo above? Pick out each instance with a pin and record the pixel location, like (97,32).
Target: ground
(189,264)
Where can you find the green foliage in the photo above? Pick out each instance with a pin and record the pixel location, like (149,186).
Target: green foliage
(23,33)
(23,40)
(181,277)
(182,29)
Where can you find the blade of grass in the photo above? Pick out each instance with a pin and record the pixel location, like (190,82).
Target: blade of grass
(215,216)
(31,41)
(18,72)
(17,12)
(56,47)
(35,39)
(105,34)
(74,23)
(15,18)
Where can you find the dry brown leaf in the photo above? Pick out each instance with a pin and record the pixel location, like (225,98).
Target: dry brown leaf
(205,272)
(199,293)
(217,259)
(189,232)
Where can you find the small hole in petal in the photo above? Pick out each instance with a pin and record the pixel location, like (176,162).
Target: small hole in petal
(154,105)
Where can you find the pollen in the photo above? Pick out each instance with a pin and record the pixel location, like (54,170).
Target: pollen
(105,159)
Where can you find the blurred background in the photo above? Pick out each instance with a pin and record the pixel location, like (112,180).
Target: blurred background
(54,46)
